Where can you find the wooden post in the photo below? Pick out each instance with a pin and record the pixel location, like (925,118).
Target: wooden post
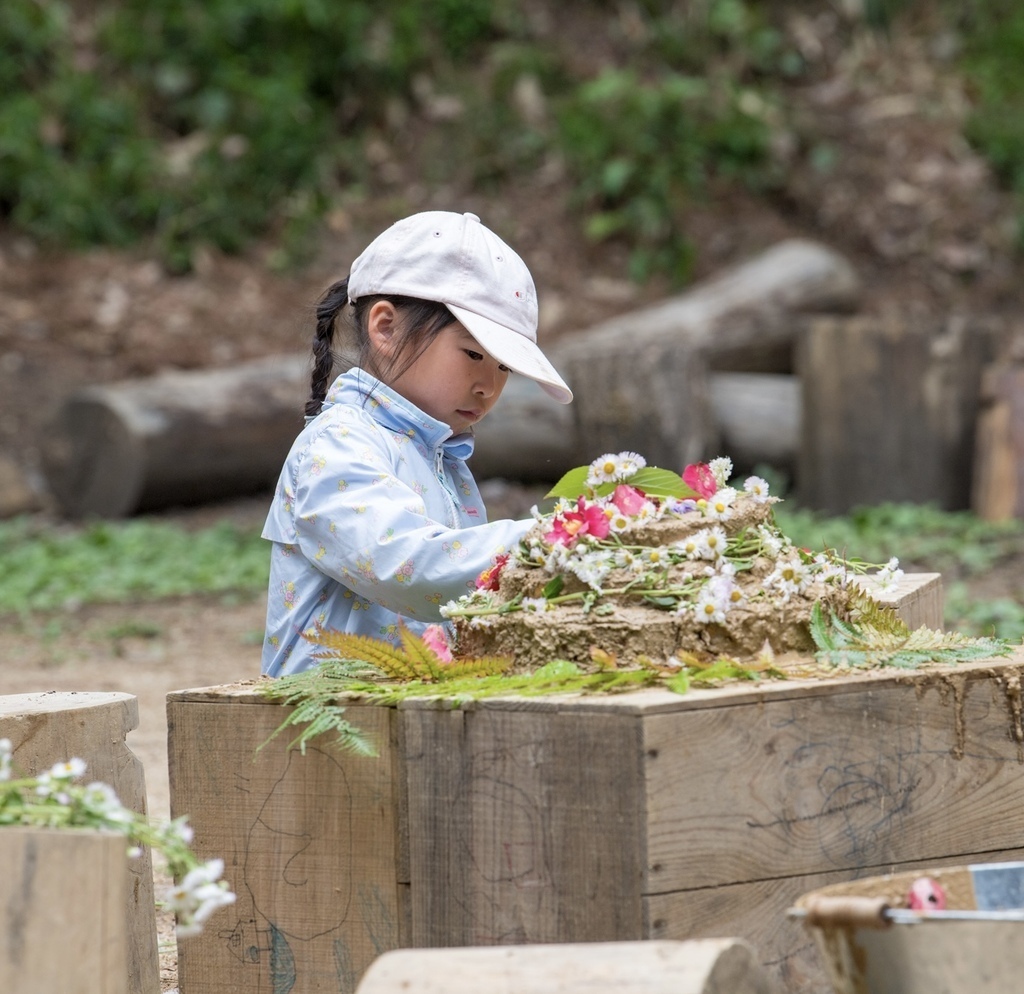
(63,928)
(48,728)
(703,966)
(889,409)
(998,491)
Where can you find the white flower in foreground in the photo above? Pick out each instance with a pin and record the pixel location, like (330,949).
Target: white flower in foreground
(723,588)
(6,752)
(70,769)
(198,895)
(592,568)
(611,468)
(889,575)
(102,799)
(757,488)
(537,604)
(721,470)
(691,546)
(719,504)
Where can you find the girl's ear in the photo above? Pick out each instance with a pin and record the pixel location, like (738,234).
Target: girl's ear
(382,328)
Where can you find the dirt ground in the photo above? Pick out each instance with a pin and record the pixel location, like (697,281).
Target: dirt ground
(876,168)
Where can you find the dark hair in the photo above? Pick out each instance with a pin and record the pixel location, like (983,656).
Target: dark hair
(421,321)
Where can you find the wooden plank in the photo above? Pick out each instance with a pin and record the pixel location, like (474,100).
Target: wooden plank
(48,728)
(708,966)
(874,776)
(757,913)
(523,827)
(63,927)
(889,410)
(310,846)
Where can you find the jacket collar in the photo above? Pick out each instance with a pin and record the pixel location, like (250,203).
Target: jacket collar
(357,388)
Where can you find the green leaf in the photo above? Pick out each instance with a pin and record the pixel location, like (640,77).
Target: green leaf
(572,484)
(660,483)
(553,587)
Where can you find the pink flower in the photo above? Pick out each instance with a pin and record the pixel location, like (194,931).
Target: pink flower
(926,895)
(490,577)
(629,500)
(587,519)
(699,478)
(434,638)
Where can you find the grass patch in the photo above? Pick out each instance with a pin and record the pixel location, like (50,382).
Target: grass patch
(45,570)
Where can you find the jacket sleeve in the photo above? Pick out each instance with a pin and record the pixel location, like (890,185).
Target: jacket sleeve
(359,523)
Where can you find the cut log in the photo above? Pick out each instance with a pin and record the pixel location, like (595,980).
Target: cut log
(176,438)
(889,410)
(641,382)
(700,966)
(641,379)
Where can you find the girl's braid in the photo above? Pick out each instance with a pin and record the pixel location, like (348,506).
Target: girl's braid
(328,308)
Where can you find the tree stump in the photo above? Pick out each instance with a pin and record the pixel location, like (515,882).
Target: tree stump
(49,728)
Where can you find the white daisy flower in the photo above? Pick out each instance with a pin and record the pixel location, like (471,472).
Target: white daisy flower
(627,559)
(630,463)
(757,488)
(592,568)
(619,522)
(692,546)
(714,541)
(536,604)
(708,608)
(789,577)
(719,504)
(604,469)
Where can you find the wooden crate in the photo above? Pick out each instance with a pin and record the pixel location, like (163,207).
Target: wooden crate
(642,816)
(64,927)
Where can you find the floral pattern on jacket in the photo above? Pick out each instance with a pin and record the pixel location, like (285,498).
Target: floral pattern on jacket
(376,518)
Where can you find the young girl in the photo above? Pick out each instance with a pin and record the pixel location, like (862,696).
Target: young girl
(376,518)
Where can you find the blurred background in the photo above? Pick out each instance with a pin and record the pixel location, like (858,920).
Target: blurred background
(179,179)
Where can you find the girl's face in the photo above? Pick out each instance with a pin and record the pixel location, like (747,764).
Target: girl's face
(453,379)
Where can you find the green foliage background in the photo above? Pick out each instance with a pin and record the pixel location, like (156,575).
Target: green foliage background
(183,123)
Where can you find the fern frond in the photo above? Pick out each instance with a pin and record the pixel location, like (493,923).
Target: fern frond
(481,666)
(344,645)
(881,638)
(422,662)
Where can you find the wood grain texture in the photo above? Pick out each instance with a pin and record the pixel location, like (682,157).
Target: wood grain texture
(310,845)
(709,966)
(523,827)
(63,927)
(842,782)
(48,728)
(758,912)
(889,410)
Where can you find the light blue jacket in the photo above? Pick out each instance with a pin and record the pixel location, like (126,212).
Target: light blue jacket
(376,518)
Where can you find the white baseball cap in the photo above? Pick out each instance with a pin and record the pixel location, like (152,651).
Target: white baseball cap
(455,260)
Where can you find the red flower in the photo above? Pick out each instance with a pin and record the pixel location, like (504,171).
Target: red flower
(699,478)
(587,519)
(489,579)
(629,500)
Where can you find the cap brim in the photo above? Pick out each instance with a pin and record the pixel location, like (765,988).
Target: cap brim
(515,351)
